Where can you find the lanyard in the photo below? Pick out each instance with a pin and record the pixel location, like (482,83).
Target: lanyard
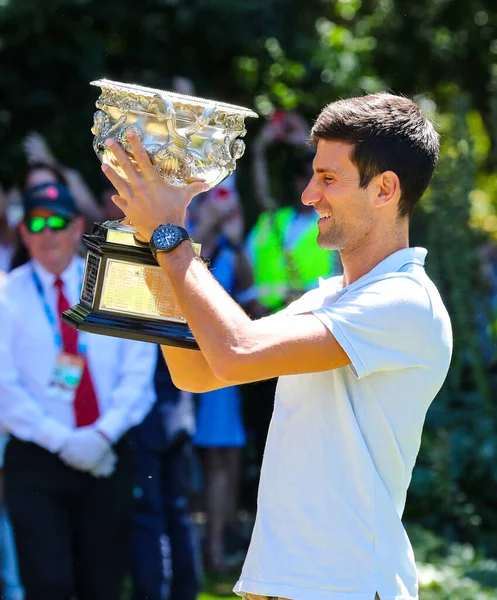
(53,321)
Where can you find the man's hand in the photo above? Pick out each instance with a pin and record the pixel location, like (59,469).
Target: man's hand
(84,449)
(146,198)
(106,466)
(37,150)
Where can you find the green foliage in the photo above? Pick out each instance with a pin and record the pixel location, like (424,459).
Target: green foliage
(266,53)
(449,571)
(457,460)
(448,206)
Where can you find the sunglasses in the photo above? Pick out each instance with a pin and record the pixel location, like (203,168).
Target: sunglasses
(53,222)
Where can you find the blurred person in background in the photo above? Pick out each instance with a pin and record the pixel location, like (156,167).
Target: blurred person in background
(10,582)
(34,174)
(164,549)
(67,399)
(218,225)
(282,246)
(11,588)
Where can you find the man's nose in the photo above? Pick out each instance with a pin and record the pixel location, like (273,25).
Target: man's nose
(310,195)
(46,232)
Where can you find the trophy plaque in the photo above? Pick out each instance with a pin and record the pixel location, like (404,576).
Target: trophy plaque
(125,293)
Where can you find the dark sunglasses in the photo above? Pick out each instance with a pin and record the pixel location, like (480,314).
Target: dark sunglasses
(53,222)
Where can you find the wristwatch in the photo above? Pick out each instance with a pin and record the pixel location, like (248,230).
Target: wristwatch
(166,237)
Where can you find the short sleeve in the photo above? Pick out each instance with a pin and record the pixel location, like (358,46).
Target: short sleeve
(384,325)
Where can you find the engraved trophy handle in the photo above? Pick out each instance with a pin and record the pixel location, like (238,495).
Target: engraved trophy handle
(164,110)
(174,156)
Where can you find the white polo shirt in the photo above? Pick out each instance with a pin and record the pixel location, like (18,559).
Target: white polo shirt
(342,443)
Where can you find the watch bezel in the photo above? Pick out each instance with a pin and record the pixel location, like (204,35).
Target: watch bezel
(158,244)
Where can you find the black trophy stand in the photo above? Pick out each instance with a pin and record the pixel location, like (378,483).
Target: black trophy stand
(85,317)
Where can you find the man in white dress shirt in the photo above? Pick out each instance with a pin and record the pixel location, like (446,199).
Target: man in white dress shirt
(359,359)
(67,400)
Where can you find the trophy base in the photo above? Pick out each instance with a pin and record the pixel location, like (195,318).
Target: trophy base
(168,334)
(125,293)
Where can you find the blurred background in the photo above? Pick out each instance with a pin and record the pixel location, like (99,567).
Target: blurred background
(295,56)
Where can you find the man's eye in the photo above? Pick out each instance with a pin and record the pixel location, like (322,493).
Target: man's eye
(329,179)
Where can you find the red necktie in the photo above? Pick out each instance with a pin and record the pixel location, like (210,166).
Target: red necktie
(85,402)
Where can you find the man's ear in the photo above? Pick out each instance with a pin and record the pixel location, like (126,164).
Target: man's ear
(388,189)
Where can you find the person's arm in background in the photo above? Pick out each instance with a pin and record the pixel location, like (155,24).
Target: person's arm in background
(83,196)
(37,150)
(20,414)
(134,394)
(89,448)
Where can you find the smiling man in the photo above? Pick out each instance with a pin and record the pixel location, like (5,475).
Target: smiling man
(359,359)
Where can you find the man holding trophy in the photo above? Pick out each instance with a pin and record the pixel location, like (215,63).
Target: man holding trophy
(359,359)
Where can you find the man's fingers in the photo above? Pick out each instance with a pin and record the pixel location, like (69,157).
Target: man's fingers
(118,182)
(123,161)
(120,202)
(197,187)
(140,155)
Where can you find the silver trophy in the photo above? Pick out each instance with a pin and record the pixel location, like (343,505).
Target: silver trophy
(125,293)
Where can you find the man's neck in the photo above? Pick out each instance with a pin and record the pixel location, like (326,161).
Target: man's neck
(360,260)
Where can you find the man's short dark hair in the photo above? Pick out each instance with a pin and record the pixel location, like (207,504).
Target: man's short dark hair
(389,133)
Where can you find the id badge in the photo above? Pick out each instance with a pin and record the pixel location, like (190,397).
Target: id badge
(66,377)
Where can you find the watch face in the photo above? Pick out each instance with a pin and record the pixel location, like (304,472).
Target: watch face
(166,236)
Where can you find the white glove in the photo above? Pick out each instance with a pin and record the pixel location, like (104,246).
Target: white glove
(84,448)
(106,466)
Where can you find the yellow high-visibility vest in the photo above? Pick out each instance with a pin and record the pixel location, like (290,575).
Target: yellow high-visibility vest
(278,271)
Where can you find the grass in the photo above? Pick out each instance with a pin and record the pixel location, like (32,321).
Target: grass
(219,587)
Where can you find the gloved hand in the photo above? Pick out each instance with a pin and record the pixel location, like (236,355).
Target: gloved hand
(84,448)
(37,150)
(106,466)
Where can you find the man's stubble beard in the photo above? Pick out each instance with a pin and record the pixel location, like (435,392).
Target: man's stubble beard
(333,239)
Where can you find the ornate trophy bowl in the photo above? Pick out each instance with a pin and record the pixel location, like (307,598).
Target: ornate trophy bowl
(124,292)
(185,137)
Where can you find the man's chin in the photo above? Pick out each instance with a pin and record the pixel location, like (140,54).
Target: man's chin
(327,242)
(54,262)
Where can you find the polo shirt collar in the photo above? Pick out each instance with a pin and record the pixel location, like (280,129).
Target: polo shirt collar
(391,264)
(396,261)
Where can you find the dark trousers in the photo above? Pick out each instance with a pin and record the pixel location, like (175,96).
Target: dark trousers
(161,512)
(71,529)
